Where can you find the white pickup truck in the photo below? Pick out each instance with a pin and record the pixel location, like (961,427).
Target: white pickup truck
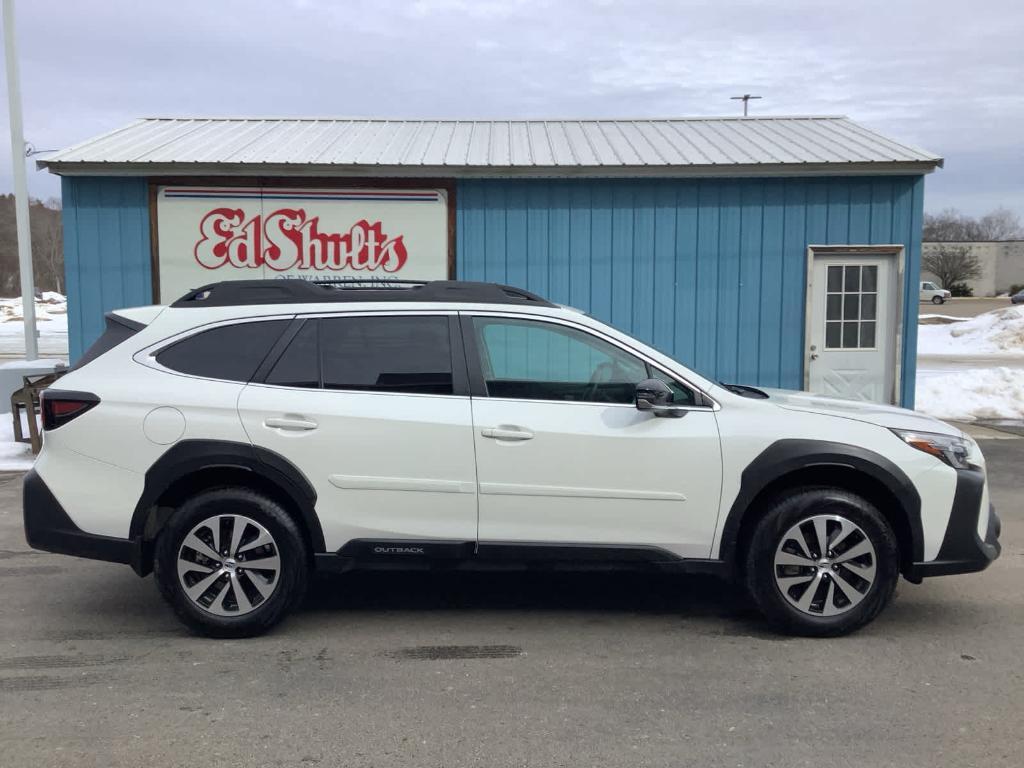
(931,292)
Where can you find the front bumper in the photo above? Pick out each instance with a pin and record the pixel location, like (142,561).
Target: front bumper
(963,550)
(48,527)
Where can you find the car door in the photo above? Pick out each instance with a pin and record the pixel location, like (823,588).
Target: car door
(374,410)
(563,455)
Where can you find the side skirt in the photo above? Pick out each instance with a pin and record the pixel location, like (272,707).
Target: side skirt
(412,554)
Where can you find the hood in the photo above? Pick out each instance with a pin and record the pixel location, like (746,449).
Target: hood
(888,416)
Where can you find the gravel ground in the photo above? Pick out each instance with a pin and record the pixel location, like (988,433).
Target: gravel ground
(509,670)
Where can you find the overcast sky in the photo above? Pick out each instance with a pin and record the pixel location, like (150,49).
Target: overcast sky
(946,75)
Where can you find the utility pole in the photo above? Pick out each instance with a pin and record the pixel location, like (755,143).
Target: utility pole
(745,98)
(28,292)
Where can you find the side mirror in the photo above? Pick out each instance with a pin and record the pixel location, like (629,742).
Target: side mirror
(654,395)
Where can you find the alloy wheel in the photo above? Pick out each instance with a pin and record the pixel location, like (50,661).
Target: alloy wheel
(825,565)
(229,565)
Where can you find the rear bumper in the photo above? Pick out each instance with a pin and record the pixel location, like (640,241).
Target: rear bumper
(963,550)
(48,527)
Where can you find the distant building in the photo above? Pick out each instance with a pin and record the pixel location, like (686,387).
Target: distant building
(1002,264)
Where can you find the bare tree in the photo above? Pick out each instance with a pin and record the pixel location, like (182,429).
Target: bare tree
(48,245)
(952,226)
(951,264)
(949,225)
(1001,224)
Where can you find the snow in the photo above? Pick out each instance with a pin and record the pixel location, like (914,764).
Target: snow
(999,332)
(943,318)
(51,322)
(14,457)
(975,393)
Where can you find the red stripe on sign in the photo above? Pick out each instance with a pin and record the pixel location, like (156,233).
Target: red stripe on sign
(298,192)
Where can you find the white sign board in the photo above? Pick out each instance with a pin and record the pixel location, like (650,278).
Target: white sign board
(207,234)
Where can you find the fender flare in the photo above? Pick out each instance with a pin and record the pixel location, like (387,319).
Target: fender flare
(189,456)
(784,457)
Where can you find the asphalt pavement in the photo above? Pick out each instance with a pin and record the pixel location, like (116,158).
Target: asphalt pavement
(539,669)
(964,307)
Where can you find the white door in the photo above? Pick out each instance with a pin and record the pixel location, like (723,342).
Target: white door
(852,327)
(563,455)
(364,407)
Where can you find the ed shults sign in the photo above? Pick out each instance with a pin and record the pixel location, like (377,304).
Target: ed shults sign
(206,234)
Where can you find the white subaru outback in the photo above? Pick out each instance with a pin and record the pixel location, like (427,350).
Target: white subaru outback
(255,431)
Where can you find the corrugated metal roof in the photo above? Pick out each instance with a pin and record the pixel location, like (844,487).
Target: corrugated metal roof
(483,147)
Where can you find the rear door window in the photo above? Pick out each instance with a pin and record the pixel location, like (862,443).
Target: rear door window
(231,352)
(387,354)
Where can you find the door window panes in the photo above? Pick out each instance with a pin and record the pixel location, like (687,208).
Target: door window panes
(851,305)
(387,354)
(532,360)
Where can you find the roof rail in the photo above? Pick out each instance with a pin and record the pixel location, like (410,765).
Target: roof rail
(297,291)
(356,283)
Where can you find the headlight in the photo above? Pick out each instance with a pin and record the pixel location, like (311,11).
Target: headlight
(955,451)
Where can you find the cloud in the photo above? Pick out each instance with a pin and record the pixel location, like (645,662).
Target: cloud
(943,75)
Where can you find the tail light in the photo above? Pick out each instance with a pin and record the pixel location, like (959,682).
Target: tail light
(61,407)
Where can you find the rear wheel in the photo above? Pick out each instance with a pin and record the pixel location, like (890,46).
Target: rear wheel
(231,562)
(822,562)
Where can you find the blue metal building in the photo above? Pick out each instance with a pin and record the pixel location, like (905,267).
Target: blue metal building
(767,251)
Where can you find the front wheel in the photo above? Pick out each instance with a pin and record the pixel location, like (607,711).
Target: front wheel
(231,562)
(938,300)
(822,562)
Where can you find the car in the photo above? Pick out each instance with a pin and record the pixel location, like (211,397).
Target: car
(931,292)
(1017,298)
(254,433)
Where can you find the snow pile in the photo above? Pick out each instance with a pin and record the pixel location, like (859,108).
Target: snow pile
(14,457)
(979,393)
(1000,332)
(52,325)
(50,304)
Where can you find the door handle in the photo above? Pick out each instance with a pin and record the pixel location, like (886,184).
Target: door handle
(507,433)
(297,425)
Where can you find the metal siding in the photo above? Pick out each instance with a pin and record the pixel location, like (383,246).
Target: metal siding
(772,262)
(911,276)
(679,143)
(106,252)
(711,271)
(601,251)
(793,261)
(727,331)
(643,263)
(707,237)
(621,314)
(663,307)
(685,308)
(751,297)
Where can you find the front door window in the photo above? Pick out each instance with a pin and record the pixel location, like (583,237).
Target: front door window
(533,360)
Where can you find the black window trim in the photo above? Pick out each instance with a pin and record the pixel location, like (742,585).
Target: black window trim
(478,386)
(147,355)
(460,371)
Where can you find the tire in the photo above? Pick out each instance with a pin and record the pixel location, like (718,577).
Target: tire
(851,585)
(938,300)
(236,601)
